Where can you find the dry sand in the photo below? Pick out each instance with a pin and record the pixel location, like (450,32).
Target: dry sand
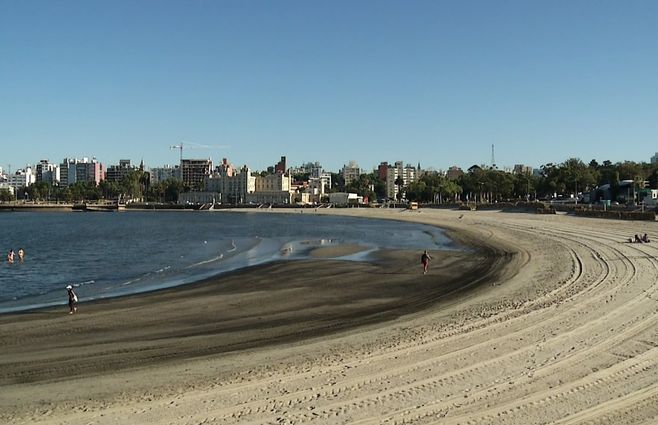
(557,324)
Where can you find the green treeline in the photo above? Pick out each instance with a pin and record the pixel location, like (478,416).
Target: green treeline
(490,185)
(134,186)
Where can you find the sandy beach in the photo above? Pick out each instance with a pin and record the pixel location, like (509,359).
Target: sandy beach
(548,319)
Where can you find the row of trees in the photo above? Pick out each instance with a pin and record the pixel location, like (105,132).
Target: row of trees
(490,185)
(135,186)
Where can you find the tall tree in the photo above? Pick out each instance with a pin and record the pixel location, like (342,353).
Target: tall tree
(6,195)
(399,183)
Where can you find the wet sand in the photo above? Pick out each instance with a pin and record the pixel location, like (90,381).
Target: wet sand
(551,320)
(337,251)
(269,304)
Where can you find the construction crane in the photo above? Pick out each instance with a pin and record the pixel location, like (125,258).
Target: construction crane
(190,145)
(178,147)
(186,145)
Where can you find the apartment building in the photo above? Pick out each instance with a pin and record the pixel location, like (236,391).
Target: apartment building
(281,166)
(195,171)
(160,174)
(313,169)
(351,172)
(47,172)
(115,173)
(454,173)
(382,171)
(399,173)
(84,170)
(21,178)
(522,169)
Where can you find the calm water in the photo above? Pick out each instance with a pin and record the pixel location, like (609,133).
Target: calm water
(111,254)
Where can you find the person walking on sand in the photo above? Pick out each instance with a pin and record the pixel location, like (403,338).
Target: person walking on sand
(425,261)
(73,300)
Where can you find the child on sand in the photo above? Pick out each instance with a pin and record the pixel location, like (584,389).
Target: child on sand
(425,261)
(73,300)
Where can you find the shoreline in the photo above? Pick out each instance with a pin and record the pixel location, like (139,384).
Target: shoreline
(261,292)
(147,281)
(562,330)
(319,255)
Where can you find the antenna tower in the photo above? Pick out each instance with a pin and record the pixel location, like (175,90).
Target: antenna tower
(493,158)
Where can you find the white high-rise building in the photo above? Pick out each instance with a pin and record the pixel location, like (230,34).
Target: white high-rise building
(22,178)
(406,174)
(47,172)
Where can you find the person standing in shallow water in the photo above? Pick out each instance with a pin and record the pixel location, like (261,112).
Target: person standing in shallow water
(73,300)
(10,256)
(425,261)
(21,254)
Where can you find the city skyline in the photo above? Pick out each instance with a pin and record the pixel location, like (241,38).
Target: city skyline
(347,163)
(430,82)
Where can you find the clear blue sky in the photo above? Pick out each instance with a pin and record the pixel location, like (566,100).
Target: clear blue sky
(432,81)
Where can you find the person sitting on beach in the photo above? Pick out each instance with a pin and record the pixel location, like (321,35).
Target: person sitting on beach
(637,239)
(73,300)
(425,261)
(10,256)
(645,238)
(21,254)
